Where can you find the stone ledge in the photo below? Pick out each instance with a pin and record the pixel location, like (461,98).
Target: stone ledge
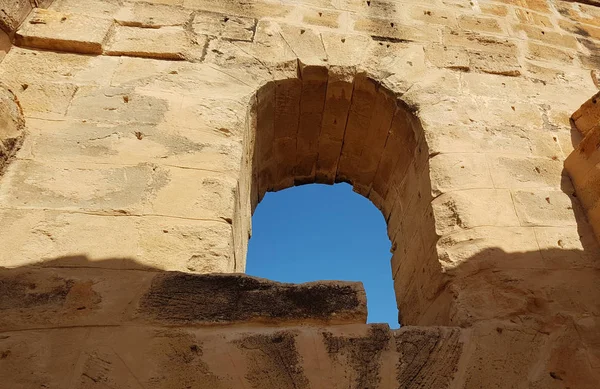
(33,298)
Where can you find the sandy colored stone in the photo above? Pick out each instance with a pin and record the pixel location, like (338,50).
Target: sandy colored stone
(153,43)
(474,208)
(12,14)
(234,28)
(452,119)
(77,33)
(148,15)
(12,124)
(487,25)
(448,57)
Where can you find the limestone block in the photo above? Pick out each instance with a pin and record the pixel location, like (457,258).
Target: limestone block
(11,117)
(133,71)
(531,18)
(103,9)
(546,208)
(90,142)
(386,29)
(12,124)
(502,112)
(257,10)
(359,119)
(209,299)
(459,171)
(12,13)
(99,188)
(166,2)
(322,18)
(202,113)
(71,239)
(547,36)
(46,100)
(191,193)
(190,81)
(5,44)
(495,63)
(46,29)
(525,172)
(148,15)
(369,156)
(213,299)
(397,155)
(547,53)
(345,49)
(510,140)
(466,209)
(493,9)
(173,43)
(227,27)
(448,57)
(27,66)
(581,29)
(378,9)
(432,15)
(305,43)
(457,250)
(587,117)
(400,66)
(569,247)
(478,42)
(335,116)
(479,24)
(117,104)
(304,356)
(286,121)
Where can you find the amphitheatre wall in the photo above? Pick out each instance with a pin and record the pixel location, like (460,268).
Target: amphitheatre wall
(137,137)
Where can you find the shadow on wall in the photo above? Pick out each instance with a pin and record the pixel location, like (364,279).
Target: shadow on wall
(519,287)
(328,126)
(522,314)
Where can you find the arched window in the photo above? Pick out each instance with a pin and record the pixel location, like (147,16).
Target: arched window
(322,232)
(329,126)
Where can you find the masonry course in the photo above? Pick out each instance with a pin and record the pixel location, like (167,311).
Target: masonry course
(138,137)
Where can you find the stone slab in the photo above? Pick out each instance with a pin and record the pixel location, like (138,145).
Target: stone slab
(46,29)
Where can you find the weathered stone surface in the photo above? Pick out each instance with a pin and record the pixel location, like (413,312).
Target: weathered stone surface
(12,14)
(172,43)
(46,29)
(11,126)
(285,358)
(188,299)
(233,28)
(148,15)
(453,119)
(79,297)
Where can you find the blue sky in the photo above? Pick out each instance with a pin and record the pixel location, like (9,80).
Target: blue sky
(322,232)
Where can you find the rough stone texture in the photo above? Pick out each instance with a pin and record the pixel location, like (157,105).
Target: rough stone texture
(38,298)
(59,31)
(451,116)
(583,163)
(227,358)
(12,13)
(11,126)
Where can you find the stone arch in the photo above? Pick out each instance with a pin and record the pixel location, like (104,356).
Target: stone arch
(331,125)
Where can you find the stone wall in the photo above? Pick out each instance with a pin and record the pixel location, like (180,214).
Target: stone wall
(154,128)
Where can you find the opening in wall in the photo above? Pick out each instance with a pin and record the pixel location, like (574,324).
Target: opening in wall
(321,232)
(331,126)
